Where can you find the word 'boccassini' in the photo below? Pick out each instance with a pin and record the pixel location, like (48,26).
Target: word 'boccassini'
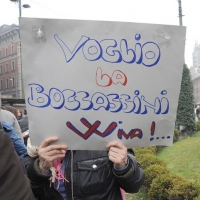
(81,100)
(109,50)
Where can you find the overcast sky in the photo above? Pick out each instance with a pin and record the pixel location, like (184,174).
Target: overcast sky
(144,11)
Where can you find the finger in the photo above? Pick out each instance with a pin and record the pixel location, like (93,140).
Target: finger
(115,160)
(116,144)
(43,152)
(54,152)
(119,162)
(116,150)
(47,141)
(51,158)
(117,155)
(112,159)
(56,147)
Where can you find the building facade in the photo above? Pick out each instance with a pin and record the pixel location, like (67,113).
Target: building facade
(196,56)
(196,86)
(195,72)
(10,62)
(195,69)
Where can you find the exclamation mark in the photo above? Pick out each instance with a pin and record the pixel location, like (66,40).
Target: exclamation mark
(153,125)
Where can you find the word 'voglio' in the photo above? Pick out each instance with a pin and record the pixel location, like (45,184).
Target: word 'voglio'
(112,51)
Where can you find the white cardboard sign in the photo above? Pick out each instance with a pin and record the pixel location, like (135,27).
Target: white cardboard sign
(92,82)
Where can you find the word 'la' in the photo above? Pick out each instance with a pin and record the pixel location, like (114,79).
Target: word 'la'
(112,51)
(104,80)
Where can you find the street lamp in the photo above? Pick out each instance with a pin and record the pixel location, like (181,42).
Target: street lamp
(180,12)
(20,6)
(19,60)
(26,6)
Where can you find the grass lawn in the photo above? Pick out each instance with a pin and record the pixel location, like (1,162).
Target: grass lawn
(139,196)
(132,197)
(183,158)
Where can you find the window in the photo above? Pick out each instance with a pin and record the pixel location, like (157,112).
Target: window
(13,66)
(7,68)
(6,52)
(1,84)
(6,83)
(12,49)
(13,81)
(1,70)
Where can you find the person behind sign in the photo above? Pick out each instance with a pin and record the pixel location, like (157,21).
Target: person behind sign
(23,123)
(58,173)
(11,109)
(8,116)
(198,112)
(19,115)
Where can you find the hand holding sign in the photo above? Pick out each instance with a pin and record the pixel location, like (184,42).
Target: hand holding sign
(47,153)
(117,154)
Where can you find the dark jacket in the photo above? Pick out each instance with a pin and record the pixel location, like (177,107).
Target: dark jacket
(23,123)
(13,183)
(86,183)
(19,118)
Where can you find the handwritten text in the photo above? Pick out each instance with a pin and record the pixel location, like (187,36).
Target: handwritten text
(112,51)
(82,100)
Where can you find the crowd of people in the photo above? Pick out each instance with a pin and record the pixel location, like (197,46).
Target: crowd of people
(52,171)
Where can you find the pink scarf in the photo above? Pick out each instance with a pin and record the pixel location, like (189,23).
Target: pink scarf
(57,173)
(123,194)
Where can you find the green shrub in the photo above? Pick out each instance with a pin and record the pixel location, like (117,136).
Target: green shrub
(144,150)
(197,198)
(158,148)
(141,152)
(176,135)
(172,187)
(149,159)
(152,149)
(152,172)
(184,190)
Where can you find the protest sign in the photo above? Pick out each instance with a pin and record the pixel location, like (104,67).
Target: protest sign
(92,82)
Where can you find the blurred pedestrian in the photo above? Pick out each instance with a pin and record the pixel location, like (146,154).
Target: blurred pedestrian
(23,123)
(8,116)
(19,115)
(198,112)
(13,110)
